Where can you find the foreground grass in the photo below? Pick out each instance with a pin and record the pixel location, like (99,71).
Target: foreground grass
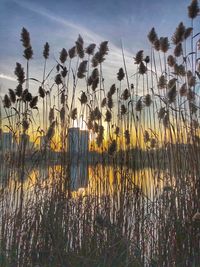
(153,124)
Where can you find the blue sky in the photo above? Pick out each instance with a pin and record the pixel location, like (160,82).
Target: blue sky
(59,22)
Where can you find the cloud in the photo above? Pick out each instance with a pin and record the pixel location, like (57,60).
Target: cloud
(114,58)
(7,77)
(89,36)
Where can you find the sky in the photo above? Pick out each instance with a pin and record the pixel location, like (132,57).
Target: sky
(59,22)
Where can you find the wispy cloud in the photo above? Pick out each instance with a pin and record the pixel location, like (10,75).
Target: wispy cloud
(7,77)
(89,35)
(114,58)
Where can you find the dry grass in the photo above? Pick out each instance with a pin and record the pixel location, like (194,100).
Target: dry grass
(141,205)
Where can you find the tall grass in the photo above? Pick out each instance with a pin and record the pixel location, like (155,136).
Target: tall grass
(140,206)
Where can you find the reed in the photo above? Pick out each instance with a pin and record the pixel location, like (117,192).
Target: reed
(138,202)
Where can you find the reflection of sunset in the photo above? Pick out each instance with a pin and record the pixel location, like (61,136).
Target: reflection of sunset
(99,138)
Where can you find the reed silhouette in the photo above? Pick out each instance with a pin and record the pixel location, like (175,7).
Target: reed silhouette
(140,204)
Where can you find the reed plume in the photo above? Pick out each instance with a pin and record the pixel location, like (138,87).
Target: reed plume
(63,55)
(12,96)
(152,36)
(82,69)
(19,72)
(193,9)
(90,49)
(46,50)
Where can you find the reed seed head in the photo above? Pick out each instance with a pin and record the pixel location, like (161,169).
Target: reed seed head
(103,49)
(97,114)
(64,72)
(188,32)
(74,114)
(126,94)
(162,82)
(152,36)
(103,102)
(179,34)
(19,90)
(25,38)
(95,74)
(58,67)
(179,70)
(83,98)
(171,94)
(95,84)
(19,72)
(183,90)
(139,57)
(164,44)
(33,102)
(90,49)
(120,74)
(142,68)
(171,60)
(178,51)
(193,9)
(112,90)
(46,51)
(147,100)
(95,60)
(112,148)
(110,102)
(12,95)
(96,127)
(108,116)
(123,109)
(28,53)
(6,102)
(41,92)
(156,45)
(63,55)
(82,69)
(26,96)
(58,79)
(147,59)
(72,52)
(139,106)
(127,137)
(79,46)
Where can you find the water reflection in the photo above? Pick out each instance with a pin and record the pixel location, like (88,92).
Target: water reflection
(94,179)
(79,175)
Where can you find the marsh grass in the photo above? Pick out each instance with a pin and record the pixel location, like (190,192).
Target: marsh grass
(141,204)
